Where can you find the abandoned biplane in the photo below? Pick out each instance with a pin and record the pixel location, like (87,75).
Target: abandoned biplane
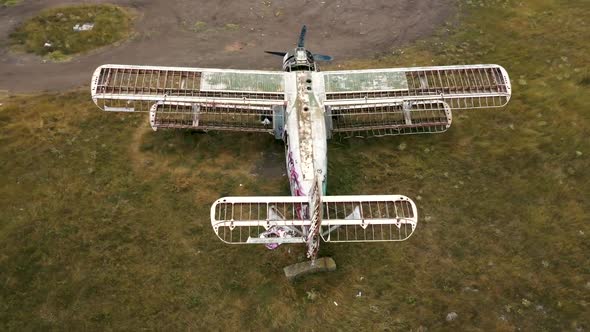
(305,107)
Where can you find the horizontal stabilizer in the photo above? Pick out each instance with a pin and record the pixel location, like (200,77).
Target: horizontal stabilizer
(361,218)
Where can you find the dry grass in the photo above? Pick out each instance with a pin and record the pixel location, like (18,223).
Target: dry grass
(105,224)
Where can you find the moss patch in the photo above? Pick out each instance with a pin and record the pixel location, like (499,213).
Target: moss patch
(53,30)
(8,3)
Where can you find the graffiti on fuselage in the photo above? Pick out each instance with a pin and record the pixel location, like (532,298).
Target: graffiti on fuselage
(296,189)
(293,176)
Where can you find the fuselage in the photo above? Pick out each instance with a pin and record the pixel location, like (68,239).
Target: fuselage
(305,126)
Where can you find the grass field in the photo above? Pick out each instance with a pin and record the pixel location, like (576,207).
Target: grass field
(54,27)
(9,3)
(104,224)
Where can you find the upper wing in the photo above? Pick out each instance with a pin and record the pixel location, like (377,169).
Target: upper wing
(410,100)
(192,97)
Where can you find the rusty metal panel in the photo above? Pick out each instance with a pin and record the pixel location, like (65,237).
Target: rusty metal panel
(365,81)
(242,82)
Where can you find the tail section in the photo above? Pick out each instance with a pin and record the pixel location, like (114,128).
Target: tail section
(362,218)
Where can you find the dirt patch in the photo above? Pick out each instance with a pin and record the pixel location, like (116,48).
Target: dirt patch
(166,35)
(271,165)
(234,47)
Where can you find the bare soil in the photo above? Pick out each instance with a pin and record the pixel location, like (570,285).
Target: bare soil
(225,34)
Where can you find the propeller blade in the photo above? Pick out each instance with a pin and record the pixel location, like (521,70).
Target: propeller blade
(322,57)
(302,37)
(276,53)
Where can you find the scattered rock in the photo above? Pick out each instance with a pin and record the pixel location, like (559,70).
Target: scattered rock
(451,316)
(83,27)
(402,146)
(47,44)
(470,289)
(359,294)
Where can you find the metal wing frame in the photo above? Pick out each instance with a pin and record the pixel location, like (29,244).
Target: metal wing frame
(381,102)
(194,98)
(359,218)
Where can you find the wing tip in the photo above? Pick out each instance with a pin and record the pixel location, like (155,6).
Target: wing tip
(507,82)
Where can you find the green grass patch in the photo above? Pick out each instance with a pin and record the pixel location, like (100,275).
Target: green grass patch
(9,3)
(105,225)
(199,26)
(231,27)
(53,30)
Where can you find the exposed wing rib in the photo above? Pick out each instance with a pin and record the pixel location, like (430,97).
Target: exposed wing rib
(360,218)
(137,88)
(212,116)
(462,87)
(397,118)
(208,99)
